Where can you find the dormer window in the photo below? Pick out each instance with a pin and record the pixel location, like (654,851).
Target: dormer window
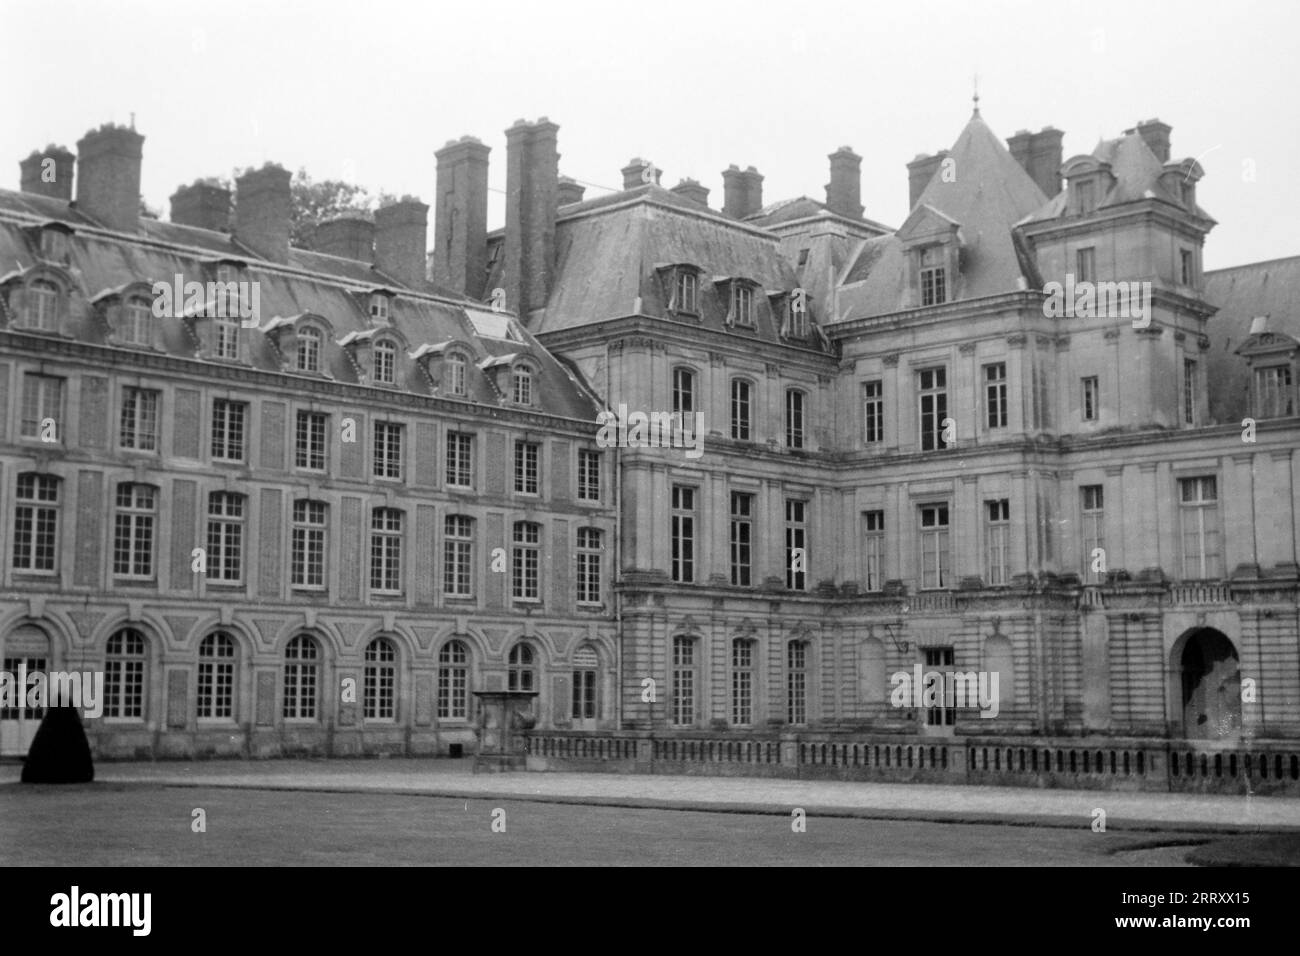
(227,290)
(379,307)
(54,245)
(1085,197)
(136,315)
(226,337)
(521,386)
(742,304)
(794,306)
(686,291)
(456,381)
(309,346)
(385,358)
(934,284)
(43,306)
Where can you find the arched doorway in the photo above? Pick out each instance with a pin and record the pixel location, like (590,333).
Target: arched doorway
(1211,686)
(26,652)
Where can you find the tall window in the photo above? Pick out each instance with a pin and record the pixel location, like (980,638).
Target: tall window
(456,374)
(796,544)
(453,681)
(526,455)
(124,663)
(997,538)
(226,302)
(521,673)
(1085,196)
(1188,272)
(683,710)
(873,550)
(742,538)
(794,418)
(458,556)
(379,680)
(940,659)
(589,552)
(686,291)
(1091,399)
(742,304)
(1085,265)
(460,460)
(309,441)
(1092,509)
(796,683)
(228,429)
(1274,396)
(388,450)
(1199,514)
(933,279)
(226,331)
(43,306)
(588,475)
(225,537)
(42,399)
(683,534)
(740,409)
(585,665)
(136,316)
(934,547)
(301,678)
(932,386)
(385,355)
(133,531)
(309,350)
(873,412)
(139,424)
(995,395)
(215,693)
(386,550)
(683,390)
(379,306)
(1189,391)
(525,560)
(742,682)
(521,380)
(797,314)
(307,564)
(36,523)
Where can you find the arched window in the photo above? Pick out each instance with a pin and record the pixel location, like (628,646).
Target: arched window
(379,685)
(586,664)
(385,357)
(136,316)
(453,681)
(309,342)
(43,306)
(216,684)
(301,678)
(522,674)
(125,659)
(683,390)
(683,709)
(742,681)
(522,385)
(797,682)
(456,374)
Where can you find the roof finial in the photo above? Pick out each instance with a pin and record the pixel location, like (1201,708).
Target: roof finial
(976,98)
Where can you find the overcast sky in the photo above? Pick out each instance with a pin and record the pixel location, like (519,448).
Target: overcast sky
(367,91)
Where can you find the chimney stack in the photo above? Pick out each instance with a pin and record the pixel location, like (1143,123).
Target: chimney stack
(262,212)
(634,173)
(692,190)
(919,173)
(1156,135)
(460,217)
(35,179)
(742,191)
(108,176)
(1039,155)
(753,191)
(203,205)
(348,237)
(570,191)
(401,238)
(532,192)
(844,191)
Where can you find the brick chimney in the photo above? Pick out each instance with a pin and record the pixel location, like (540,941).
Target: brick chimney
(692,190)
(348,237)
(262,204)
(844,191)
(1156,135)
(753,191)
(402,240)
(108,176)
(742,191)
(532,191)
(460,217)
(33,176)
(1039,155)
(919,173)
(634,173)
(570,191)
(203,205)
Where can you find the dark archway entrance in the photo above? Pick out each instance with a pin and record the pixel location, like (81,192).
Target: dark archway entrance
(1211,687)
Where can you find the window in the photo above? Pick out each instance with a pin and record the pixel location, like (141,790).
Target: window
(453,681)
(124,683)
(388,450)
(997,539)
(309,441)
(1091,399)
(585,665)
(133,531)
(742,304)
(873,549)
(524,561)
(683,390)
(226,330)
(742,538)
(526,467)
(227,291)
(932,386)
(386,550)
(42,402)
(460,460)
(796,544)
(458,556)
(139,425)
(686,291)
(307,563)
(934,546)
(456,373)
(521,384)
(1274,397)
(794,418)
(683,534)
(796,683)
(995,395)
(301,678)
(941,659)
(54,245)
(309,341)
(740,405)
(215,695)
(522,673)
(873,412)
(379,680)
(742,682)
(588,475)
(1085,197)
(43,306)
(385,357)
(379,306)
(1092,508)
(589,550)
(1199,514)
(1189,391)
(1188,269)
(228,429)
(683,709)
(136,314)
(933,280)
(797,309)
(225,537)
(1085,265)
(36,523)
